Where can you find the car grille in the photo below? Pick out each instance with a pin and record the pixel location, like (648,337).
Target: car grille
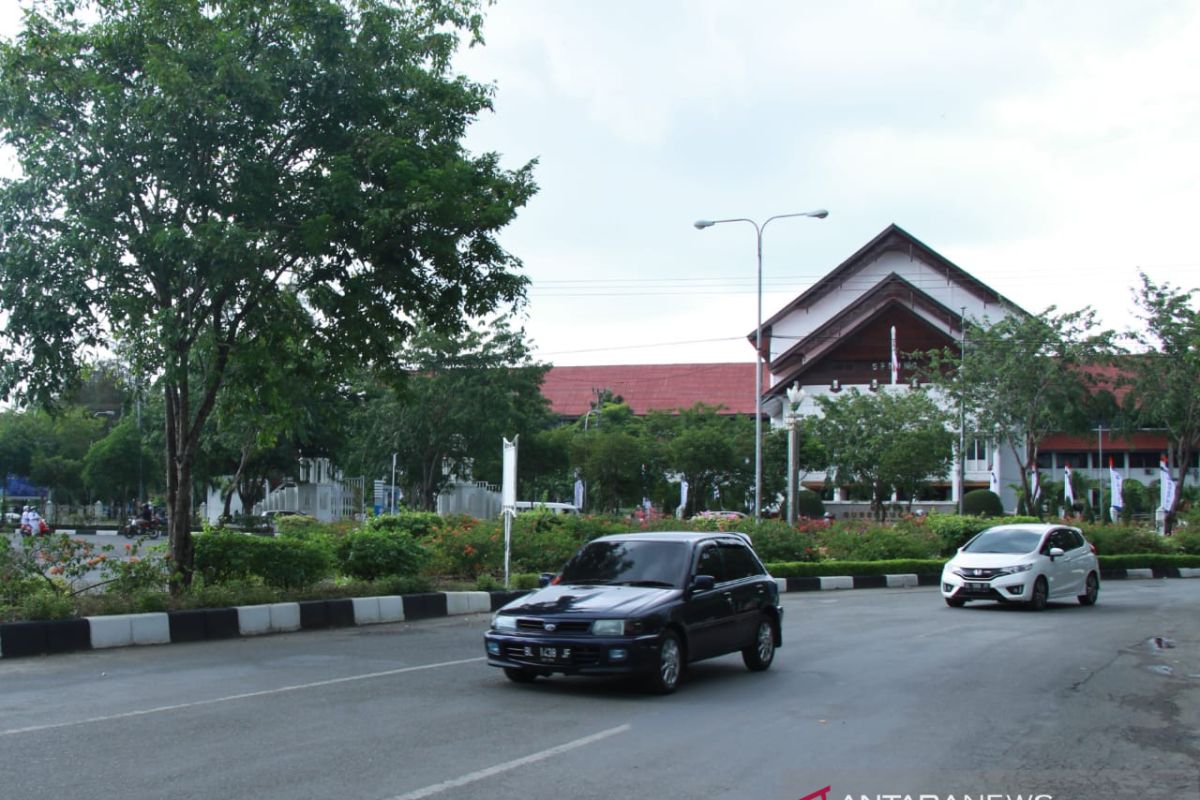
(560,626)
(979,573)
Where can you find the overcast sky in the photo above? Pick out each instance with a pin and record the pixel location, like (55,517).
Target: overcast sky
(1047,148)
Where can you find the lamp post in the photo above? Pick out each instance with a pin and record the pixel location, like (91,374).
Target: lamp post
(701,224)
(795,396)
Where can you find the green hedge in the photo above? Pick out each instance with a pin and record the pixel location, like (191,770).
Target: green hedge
(1149,560)
(369,554)
(281,563)
(896,566)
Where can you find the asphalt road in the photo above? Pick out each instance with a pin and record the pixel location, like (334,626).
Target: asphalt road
(875,693)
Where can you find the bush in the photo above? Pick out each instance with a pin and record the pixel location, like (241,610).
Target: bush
(777,541)
(1187,540)
(809,504)
(288,563)
(953,530)
(1149,560)
(800,569)
(373,553)
(47,605)
(849,542)
(982,503)
(1125,539)
(418,524)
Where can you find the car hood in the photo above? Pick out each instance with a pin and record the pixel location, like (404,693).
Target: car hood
(991,560)
(589,599)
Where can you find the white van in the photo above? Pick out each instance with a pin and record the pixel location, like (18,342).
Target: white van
(553,508)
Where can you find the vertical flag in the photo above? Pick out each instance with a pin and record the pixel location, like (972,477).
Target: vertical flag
(895,358)
(994,482)
(683,491)
(579,493)
(1116,486)
(1068,489)
(1034,490)
(1166,486)
(508,496)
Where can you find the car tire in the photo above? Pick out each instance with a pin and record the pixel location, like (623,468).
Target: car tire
(668,665)
(1040,595)
(1091,590)
(761,653)
(517,675)
(954,602)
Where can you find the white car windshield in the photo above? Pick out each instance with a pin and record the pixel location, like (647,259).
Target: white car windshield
(1004,540)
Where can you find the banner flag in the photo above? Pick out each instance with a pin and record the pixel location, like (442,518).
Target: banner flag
(895,358)
(1166,485)
(1068,489)
(994,483)
(579,494)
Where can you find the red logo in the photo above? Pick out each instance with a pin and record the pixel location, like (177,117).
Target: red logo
(821,793)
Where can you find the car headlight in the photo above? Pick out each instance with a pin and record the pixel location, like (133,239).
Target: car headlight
(608,627)
(503,622)
(1014,570)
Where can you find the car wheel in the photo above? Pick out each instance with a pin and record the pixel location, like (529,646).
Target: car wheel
(519,675)
(955,602)
(759,655)
(1041,593)
(1091,590)
(668,667)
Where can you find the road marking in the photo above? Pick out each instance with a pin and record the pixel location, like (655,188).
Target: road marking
(472,777)
(243,696)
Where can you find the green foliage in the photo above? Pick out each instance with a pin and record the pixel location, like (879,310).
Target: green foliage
(982,503)
(850,542)
(225,556)
(885,441)
(1125,539)
(372,554)
(418,524)
(1150,561)
(809,504)
(47,605)
(953,530)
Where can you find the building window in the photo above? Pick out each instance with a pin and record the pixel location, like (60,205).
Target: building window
(1045,460)
(1144,459)
(1076,460)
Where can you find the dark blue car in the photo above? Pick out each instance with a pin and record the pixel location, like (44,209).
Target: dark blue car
(646,604)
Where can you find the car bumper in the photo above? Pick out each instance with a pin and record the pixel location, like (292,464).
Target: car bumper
(592,655)
(1016,588)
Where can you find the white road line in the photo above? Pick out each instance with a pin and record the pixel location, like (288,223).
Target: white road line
(243,696)
(471,777)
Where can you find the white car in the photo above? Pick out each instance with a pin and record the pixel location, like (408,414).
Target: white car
(1025,563)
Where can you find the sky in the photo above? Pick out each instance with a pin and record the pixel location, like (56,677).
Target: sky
(1047,148)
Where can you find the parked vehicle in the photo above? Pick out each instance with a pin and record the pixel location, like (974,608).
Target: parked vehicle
(1027,563)
(554,508)
(646,604)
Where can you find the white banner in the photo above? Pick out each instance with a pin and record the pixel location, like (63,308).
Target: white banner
(508,483)
(579,494)
(994,483)
(1116,488)
(1166,486)
(1068,489)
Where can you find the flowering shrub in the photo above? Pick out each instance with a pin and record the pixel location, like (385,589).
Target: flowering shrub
(466,548)
(137,574)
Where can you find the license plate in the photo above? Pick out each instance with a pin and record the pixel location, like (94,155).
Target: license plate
(978,587)
(549,654)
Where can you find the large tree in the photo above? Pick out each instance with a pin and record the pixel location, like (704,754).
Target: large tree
(885,441)
(1021,378)
(1164,379)
(447,412)
(186,163)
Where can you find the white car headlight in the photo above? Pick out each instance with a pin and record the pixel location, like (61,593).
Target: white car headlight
(1016,569)
(608,627)
(502,622)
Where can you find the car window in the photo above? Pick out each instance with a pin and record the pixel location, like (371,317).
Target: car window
(1077,540)
(628,562)
(1004,540)
(710,562)
(739,562)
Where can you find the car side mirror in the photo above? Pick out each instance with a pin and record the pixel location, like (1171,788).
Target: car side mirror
(702,583)
(544,579)
(1055,552)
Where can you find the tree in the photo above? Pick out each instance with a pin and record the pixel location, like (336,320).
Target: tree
(111,465)
(186,165)
(1022,378)
(1163,379)
(447,413)
(885,441)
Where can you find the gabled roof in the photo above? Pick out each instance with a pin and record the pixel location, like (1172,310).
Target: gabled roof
(893,237)
(889,292)
(652,387)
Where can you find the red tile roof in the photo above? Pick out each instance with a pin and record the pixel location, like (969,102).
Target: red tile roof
(652,387)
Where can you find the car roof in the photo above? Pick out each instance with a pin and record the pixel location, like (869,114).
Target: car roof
(674,536)
(1031,527)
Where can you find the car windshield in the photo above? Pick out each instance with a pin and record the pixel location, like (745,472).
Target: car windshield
(1004,540)
(645,563)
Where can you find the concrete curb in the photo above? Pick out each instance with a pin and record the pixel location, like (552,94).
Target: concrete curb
(193,625)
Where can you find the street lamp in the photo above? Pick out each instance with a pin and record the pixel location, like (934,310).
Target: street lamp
(701,224)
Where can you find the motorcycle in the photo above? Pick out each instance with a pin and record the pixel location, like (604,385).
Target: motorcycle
(43,529)
(151,529)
